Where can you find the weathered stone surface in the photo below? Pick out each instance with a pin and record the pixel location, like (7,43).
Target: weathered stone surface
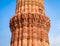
(29,26)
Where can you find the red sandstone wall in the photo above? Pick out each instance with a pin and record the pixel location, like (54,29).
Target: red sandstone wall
(29,26)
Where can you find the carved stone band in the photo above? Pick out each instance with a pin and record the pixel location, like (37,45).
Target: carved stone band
(30,20)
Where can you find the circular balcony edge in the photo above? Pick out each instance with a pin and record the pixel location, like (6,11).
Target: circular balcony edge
(19,21)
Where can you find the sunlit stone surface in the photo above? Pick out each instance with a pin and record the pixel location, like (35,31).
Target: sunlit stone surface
(29,26)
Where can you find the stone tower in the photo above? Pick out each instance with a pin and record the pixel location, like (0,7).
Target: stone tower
(29,26)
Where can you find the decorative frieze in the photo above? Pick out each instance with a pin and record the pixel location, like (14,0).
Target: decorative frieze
(30,20)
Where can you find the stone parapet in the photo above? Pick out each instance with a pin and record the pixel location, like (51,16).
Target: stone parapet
(30,20)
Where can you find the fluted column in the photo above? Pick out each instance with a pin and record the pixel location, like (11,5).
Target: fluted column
(30,6)
(29,26)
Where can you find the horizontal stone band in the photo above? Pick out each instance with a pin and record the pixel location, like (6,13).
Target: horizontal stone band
(30,21)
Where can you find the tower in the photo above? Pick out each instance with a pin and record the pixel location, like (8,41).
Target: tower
(29,26)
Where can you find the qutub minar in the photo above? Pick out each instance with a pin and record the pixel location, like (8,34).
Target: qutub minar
(29,25)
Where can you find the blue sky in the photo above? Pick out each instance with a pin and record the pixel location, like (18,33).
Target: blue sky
(52,10)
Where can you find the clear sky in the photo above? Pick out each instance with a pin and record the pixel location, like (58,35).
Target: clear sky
(52,10)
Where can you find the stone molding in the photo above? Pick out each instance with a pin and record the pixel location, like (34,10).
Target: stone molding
(29,20)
